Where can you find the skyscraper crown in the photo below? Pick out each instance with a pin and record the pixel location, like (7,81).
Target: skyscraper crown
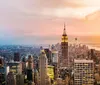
(64,36)
(64,32)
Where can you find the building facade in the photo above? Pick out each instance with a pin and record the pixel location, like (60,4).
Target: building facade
(10,80)
(43,67)
(19,79)
(16,57)
(64,49)
(15,67)
(83,72)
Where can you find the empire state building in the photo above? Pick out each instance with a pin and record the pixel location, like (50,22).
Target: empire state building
(64,49)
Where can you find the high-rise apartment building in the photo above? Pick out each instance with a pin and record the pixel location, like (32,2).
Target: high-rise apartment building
(83,72)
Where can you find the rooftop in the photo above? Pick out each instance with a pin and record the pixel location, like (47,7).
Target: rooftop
(83,61)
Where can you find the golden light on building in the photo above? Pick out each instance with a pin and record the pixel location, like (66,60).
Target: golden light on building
(64,38)
(64,49)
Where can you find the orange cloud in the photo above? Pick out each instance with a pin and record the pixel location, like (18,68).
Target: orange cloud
(46,17)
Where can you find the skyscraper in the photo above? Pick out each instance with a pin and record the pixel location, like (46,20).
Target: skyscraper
(3,71)
(64,49)
(30,62)
(48,54)
(30,74)
(43,67)
(23,65)
(16,56)
(55,56)
(93,56)
(1,61)
(55,62)
(15,67)
(83,72)
(10,79)
(19,79)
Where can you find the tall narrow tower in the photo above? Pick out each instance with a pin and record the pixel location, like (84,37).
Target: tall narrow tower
(30,72)
(64,49)
(43,67)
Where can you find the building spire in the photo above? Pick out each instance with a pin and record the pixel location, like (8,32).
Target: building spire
(64,32)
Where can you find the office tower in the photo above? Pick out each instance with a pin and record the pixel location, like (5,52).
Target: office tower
(19,79)
(10,80)
(92,53)
(93,56)
(83,72)
(43,67)
(2,74)
(30,77)
(64,49)
(1,61)
(58,48)
(48,54)
(55,62)
(3,71)
(23,65)
(55,56)
(16,56)
(2,79)
(24,59)
(15,67)
(2,66)
(30,74)
(7,70)
(30,62)
(36,77)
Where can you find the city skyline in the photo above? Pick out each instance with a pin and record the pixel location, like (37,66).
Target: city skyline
(29,22)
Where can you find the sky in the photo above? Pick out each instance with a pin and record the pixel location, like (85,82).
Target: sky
(41,21)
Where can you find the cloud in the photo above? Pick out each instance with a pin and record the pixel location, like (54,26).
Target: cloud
(58,4)
(21,19)
(94,16)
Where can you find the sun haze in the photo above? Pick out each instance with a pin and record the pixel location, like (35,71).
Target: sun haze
(28,21)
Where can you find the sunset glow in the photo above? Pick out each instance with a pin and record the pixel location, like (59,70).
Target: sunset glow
(25,19)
